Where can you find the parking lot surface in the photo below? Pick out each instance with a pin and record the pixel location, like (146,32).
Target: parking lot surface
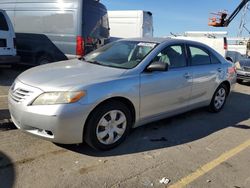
(195,149)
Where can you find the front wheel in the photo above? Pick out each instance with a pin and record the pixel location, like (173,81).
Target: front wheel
(108,126)
(219,99)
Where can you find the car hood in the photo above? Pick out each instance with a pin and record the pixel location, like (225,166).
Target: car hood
(67,74)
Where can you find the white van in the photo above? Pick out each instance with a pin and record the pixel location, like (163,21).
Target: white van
(130,24)
(7,40)
(55,30)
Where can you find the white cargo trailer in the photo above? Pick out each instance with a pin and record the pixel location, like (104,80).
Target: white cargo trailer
(130,24)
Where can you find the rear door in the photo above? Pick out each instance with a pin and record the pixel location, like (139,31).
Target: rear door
(6,45)
(207,70)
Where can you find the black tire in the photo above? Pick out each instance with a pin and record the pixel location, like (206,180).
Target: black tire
(239,81)
(44,59)
(90,133)
(212,106)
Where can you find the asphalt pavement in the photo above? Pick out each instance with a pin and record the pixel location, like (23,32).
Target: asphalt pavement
(194,149)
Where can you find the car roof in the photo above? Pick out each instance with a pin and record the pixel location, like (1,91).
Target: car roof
(174,40)
(162,40)
(146,39)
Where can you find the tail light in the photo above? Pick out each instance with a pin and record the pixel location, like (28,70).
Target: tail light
(225,43)
(90,40)
(231,70)
(14,42)
(80,46)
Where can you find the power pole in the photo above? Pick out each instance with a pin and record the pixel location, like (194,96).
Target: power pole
(243,21)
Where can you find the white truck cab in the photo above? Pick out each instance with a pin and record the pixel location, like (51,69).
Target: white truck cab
(7,40)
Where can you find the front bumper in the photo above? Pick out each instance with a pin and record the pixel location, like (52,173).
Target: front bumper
(62,124)
(243,75)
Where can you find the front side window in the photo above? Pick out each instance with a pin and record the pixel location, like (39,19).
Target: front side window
(199,56)
(173,55)
(121,54)
(3,23)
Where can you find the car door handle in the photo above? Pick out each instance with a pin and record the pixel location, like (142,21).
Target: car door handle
(187,75)
(219,69)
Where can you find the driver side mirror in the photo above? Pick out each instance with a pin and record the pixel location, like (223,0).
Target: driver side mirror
(157,66)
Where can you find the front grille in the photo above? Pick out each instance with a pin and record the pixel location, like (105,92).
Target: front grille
(19,94)
(247,69)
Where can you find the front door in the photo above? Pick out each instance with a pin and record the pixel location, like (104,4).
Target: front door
(166,91)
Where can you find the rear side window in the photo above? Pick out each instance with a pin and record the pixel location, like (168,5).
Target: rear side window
(199,56)
(105,21)
(214,59)
(3,23)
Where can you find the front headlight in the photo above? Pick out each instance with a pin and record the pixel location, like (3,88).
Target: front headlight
(237,65)
(66,97)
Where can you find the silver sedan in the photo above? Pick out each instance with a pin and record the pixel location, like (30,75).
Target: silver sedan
(120,86)
(243,70)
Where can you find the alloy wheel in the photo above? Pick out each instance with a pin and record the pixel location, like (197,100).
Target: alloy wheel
(220,98)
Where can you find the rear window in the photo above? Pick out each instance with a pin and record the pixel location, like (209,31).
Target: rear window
(3,43)
(199,56)
(3,23)
(214,59)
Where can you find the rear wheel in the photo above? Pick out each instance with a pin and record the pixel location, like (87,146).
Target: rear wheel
(219,99)
(108,126)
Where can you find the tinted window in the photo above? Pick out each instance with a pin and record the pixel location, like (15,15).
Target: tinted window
(3,43)
(214,59)
(105,21)
(199,56)
(174,56)
(3,23)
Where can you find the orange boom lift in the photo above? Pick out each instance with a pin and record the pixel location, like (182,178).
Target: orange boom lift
(221,19)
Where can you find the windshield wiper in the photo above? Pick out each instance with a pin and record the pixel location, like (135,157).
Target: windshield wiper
(94,62)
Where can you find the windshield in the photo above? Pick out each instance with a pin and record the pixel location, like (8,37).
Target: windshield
(121,54)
